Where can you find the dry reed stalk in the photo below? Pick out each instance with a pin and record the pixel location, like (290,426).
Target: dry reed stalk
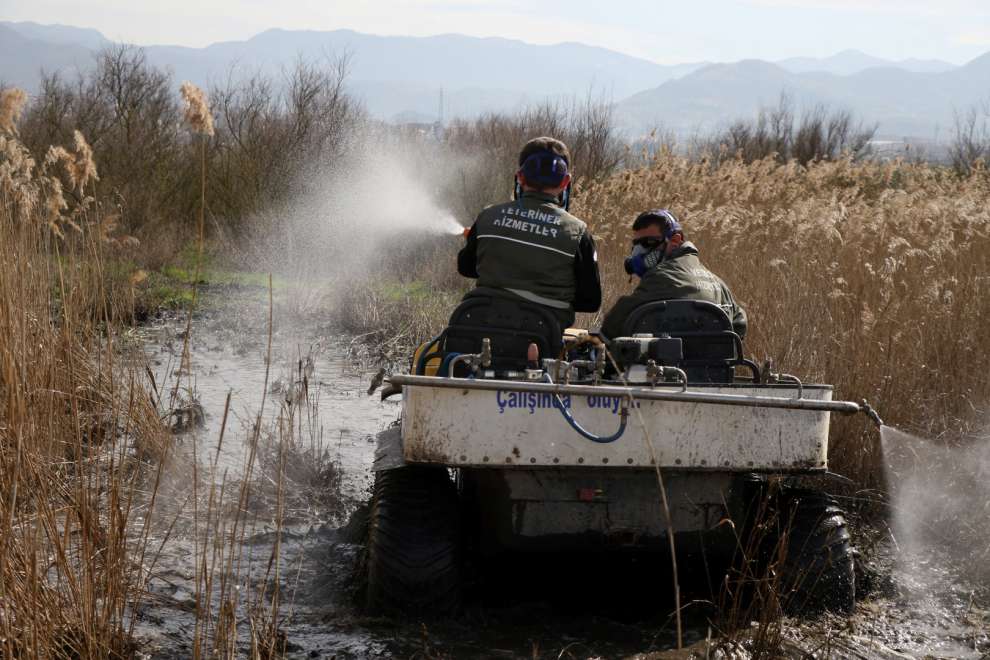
(79,166)
(12,102)
(200,121)
(83,170)
(197,110)
(18,189)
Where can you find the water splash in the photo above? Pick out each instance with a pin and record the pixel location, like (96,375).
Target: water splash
(448,225)
(940,504)
(347,217)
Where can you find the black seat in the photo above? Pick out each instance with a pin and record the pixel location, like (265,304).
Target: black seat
(711,348)
(511,325)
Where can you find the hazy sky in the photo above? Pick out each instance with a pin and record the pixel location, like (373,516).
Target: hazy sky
(666,31)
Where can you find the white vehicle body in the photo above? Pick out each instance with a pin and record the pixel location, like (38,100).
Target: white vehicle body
(506,428)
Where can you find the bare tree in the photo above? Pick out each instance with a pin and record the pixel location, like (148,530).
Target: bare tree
(971,138)
(127,110)
(489,145)
(821,133)
(271,130)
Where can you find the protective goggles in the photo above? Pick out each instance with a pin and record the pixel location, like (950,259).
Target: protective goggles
(648,242)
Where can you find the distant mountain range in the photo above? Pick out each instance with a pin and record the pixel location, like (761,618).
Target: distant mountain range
(22,57)
(848,62)
(393,74)
(904,103)
(400,78)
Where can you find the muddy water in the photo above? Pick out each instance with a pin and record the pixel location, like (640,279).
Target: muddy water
(313,384)
(939,614)
(334,421)
(311,369)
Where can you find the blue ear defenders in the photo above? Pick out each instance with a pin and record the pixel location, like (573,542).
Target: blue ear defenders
(545,169)
(663,217)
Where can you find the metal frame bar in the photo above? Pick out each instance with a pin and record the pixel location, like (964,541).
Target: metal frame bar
(641,393)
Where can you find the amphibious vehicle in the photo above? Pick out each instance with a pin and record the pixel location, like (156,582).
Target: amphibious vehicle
(518,437)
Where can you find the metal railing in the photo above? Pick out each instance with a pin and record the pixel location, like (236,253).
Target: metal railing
(635,393)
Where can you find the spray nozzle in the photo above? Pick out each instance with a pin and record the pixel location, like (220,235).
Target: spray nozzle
(871,413)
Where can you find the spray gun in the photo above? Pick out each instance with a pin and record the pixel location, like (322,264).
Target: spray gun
(871,413)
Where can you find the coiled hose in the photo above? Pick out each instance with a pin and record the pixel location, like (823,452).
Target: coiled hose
(445,365)
(623,414)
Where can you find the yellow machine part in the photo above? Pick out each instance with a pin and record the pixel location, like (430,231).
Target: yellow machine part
(433,365)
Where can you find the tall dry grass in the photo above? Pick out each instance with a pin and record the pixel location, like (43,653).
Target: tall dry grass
(865,275)
(77,434)
(88,487)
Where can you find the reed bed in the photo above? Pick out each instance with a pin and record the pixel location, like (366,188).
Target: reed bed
(78,435)
(90,488)
(867,275)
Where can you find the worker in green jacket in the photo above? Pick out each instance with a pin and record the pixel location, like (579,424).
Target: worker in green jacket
(532,248)
(669,269)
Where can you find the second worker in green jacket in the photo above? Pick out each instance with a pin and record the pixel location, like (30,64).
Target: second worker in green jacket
(669,269)
(532,248)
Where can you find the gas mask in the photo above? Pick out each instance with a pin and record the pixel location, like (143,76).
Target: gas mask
(647,252)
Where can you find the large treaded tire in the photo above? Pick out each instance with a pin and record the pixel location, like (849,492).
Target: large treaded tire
(818,568)
(414,546)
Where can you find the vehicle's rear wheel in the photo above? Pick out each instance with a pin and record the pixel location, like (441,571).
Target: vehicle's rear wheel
(413,549)
(817,567)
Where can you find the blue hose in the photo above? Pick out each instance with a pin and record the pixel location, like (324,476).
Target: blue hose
(559,404)
(445,365)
